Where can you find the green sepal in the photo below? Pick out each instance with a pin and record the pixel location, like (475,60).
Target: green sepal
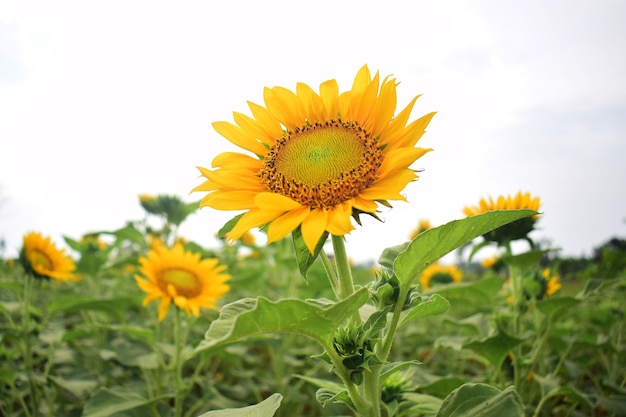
(303,256)
(228,226)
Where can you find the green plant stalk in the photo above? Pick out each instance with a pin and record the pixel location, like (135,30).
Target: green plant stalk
(362,405)
(371,389)
(178,365)
(346,285)
(369,406)
(393,325)
(330,273)
(540,345)
(517,290)
(28,355)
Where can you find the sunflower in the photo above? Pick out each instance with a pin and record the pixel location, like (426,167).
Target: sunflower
(422,226)
(516,230)
(181,276)
(316,159)
(552,283)
(440,274)
(40,255)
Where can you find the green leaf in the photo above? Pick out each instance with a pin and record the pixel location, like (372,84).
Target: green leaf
(592,285)
(266,408)
(551,306)
(431,245)
(253,317)
(114,306)
(422,404)
(390,254)
(129,232)
(524,261)
(80,388)
(74,244)
(303,256)
(474,399)
(430,306)
(136,332)
(228,226)
(495,348)
(389,369)
(476,293)
(107,401)
(477,247)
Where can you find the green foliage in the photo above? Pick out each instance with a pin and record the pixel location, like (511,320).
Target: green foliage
(365,344)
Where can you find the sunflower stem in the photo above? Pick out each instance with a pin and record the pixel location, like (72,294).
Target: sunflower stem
(28,359)
(346,286)
(330,273)
(344,273)
(178,364)
(518,295)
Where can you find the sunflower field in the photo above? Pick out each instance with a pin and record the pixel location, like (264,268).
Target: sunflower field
(140,321)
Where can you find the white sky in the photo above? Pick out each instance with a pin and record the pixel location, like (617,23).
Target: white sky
(101,101)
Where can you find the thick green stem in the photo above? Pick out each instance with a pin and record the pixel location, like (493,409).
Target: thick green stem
(330,273)
(393,325)
(346,285)
(371,389)
(362,405)
(28,356)
(518,296)
(178,364)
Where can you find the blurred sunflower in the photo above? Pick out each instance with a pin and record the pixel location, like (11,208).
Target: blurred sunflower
(41,256)
(182,277)
(440,274)
(318,158)
(552,284)
(422,226)
(518,229)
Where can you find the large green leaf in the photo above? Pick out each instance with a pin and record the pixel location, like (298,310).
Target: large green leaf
(474,293)
(524,260)
(265,408)
(552,306)
(253,317)
(430,306)
(495,348)
(115,306)
(431,245)
(107,401)
(474,399)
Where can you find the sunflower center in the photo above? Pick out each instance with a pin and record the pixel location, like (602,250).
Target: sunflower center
(41,259)
(322,165)
(186,283)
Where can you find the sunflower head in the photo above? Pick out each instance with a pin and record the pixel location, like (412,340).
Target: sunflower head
(439,274)
(550,283)
(179,276)
(42,258)
(422,226)
(315,159)
(519,229)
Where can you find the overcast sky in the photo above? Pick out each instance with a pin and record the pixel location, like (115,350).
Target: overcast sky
(102,101)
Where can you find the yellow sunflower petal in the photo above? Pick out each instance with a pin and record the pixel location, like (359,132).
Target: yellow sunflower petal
(286,224)
(229,200)
(313,226)
(163,307)
(275,202)
(239,137)
(251,219)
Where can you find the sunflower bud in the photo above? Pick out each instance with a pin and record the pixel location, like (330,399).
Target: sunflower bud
(356,344)
(385,291)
